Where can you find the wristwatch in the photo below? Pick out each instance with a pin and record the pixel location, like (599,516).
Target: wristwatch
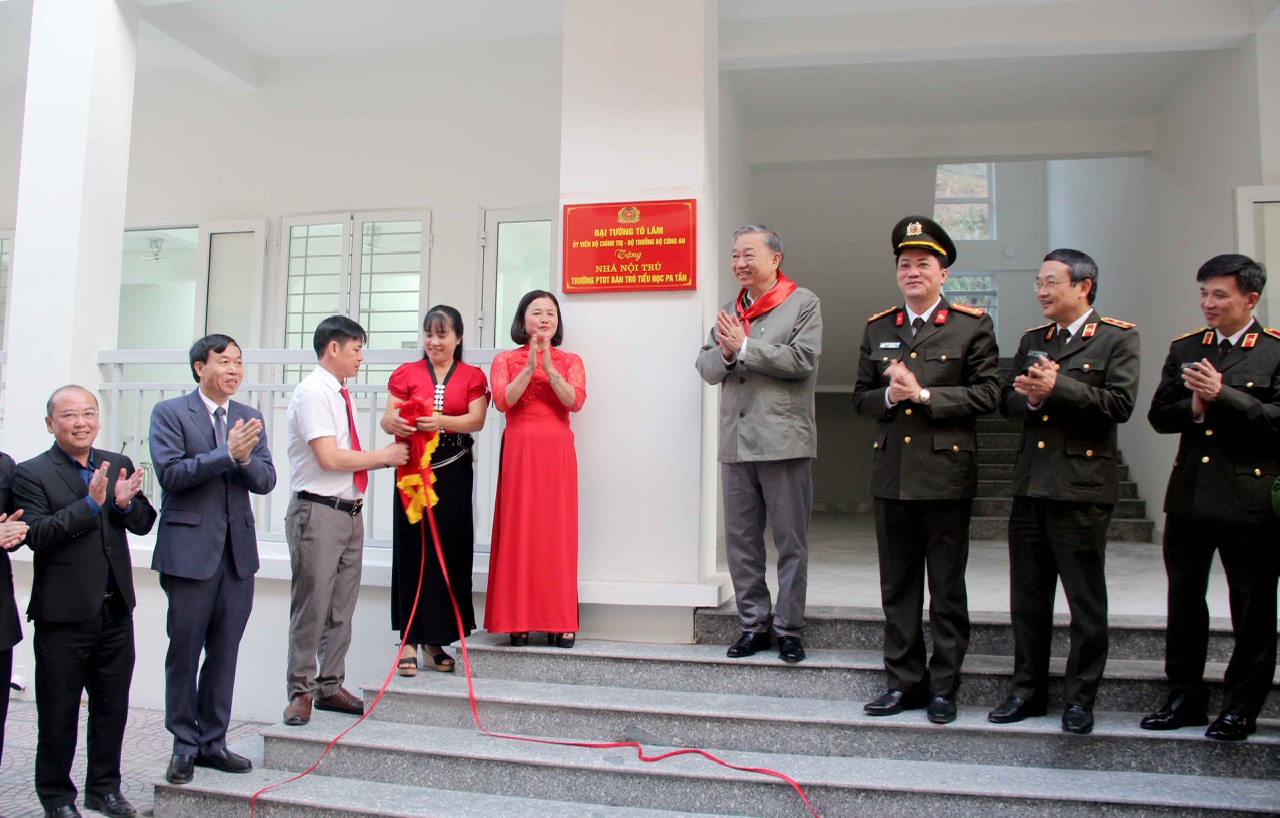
(922,397)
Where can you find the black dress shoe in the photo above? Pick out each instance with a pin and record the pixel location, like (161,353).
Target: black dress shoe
(1016,708)
(894,702)
(64,811)
(941,709)
(790,649)
(748,644)
(224,760)
(113,804)
(1231,727)
(181,769)
(1077,719)
(1182,710)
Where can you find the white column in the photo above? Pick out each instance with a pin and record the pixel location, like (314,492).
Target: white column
(639,121)
(73,173)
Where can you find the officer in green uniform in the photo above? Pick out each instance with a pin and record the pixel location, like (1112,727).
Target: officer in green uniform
(926,371)
(1073,379)
(1220,391)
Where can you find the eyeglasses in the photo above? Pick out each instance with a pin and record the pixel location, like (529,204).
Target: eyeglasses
(71,417)
(1046,284)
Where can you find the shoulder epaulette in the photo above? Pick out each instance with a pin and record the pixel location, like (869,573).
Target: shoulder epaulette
(1189,334)
(882,314)
(1037,329)
(976,312)
(1274,333)
(1116,322)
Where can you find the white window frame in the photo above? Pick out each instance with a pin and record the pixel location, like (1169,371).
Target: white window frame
(1246,199)
(490,324)
(261,229)
(348,269)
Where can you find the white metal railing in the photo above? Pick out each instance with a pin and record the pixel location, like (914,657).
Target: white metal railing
(134,381)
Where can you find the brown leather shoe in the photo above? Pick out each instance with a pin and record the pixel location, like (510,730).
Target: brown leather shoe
(299,710)
(342,701)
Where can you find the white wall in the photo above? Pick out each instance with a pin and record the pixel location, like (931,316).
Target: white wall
(1150,223)
(836,220)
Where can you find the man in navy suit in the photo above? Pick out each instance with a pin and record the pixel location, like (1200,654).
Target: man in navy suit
(209,453)
(79,502)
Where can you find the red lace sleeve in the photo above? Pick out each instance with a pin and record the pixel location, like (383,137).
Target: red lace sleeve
(500,377)
(577,376)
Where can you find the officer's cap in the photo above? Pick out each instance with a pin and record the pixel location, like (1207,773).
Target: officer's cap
(918,231)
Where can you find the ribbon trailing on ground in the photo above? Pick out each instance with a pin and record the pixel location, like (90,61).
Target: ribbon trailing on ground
(415,502)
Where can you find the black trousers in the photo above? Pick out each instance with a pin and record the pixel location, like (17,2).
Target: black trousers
(72,657)
(1250,555)
(1048,540)
(915,538)
(205,616)
(6,673)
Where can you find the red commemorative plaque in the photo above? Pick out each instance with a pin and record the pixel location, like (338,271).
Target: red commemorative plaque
(628,246)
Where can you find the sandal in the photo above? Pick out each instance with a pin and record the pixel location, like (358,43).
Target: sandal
(562,640)
(520,640)
(407,666)
(442,662)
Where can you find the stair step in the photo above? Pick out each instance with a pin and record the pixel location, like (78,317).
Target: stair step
(862,628)
(321,796)
(855,676)
(1004,488)
(837,786)
(1001,506)
(1003,470)
(990,455)
(1119,530)
(817,727)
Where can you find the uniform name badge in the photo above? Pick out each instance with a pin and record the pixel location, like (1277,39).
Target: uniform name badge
(890,344)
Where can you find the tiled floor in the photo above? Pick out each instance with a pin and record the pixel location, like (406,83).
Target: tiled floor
(843,570)
(147,747)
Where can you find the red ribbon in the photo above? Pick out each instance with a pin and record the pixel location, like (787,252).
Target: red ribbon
(764,303)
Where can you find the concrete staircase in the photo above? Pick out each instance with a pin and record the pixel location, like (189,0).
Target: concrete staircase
(419,753)
(997,448)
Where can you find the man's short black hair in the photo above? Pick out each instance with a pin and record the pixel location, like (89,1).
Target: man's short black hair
(1079,265)
(338,328)
(1250,276)
(519,334)
(210,343)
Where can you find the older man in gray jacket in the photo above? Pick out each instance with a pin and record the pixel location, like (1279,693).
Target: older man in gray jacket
(763,352)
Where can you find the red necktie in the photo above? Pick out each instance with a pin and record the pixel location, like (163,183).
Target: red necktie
(362,476)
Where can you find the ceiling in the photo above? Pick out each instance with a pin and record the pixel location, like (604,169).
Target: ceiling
(820,65)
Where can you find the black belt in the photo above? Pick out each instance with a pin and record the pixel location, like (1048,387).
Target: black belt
(352,507)
(456,439)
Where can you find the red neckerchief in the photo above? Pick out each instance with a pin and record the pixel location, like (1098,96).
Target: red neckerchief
(764,303)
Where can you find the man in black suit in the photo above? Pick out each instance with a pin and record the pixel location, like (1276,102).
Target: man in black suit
(12,532)
(1073,380)
(926,371)
(209,453)
(1220,392)
(79,501)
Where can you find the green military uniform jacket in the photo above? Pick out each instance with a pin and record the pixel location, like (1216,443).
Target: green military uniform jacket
(1068,446)
(928,452)
(1225,465)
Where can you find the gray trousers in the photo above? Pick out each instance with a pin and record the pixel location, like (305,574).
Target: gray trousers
(782,492)
(325,551)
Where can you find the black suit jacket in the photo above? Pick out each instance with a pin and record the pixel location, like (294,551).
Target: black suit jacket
(928,452)
(73,546)
(1068,446)
(1226,465)
(10,623)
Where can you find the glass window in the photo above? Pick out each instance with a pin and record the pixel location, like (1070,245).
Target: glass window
(975,290)
(964,199)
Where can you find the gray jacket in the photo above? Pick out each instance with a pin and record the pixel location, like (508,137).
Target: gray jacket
(766,395)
